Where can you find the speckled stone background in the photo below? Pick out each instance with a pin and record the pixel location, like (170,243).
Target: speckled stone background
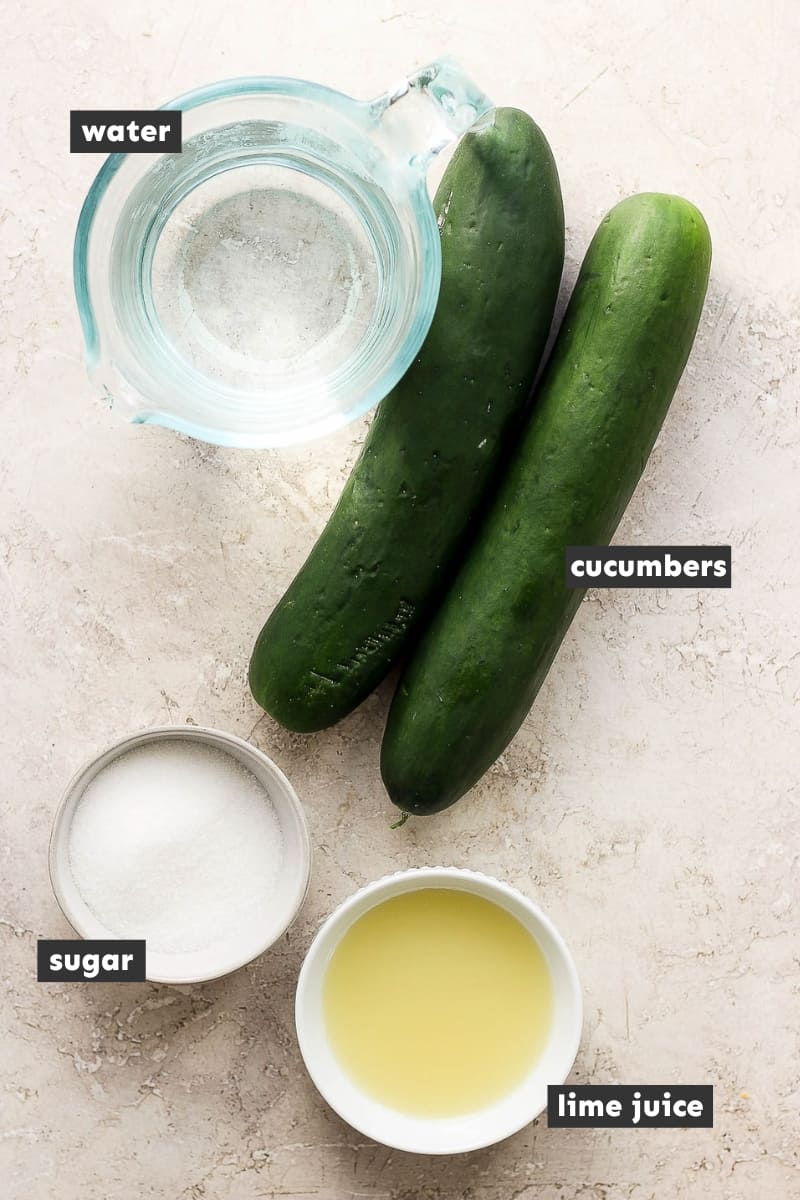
(650,802)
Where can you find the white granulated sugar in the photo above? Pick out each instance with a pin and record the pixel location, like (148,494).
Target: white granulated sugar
(178,843)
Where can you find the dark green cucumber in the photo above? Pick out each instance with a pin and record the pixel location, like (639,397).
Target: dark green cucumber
(435,441)
(615,365)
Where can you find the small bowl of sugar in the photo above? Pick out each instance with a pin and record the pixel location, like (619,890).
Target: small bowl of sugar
(188,837)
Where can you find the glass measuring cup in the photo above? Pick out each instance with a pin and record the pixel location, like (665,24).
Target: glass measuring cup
(275,279)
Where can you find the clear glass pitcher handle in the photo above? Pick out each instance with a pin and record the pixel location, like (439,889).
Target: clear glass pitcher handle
(426,112)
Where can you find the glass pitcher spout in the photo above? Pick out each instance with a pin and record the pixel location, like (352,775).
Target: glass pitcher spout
(425,112)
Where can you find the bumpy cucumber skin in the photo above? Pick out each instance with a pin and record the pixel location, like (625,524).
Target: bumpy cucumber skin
(616,363)
(435,440)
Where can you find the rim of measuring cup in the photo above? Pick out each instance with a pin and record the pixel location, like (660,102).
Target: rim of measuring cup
(393,371)
(439,1135)
(161,968)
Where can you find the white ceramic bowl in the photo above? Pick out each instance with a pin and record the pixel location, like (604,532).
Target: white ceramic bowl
(439,1135)
(291,886)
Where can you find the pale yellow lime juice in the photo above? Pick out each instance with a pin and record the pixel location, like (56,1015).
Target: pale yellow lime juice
(437,1002)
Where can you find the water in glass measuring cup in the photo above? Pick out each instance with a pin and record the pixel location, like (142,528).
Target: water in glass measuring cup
(277,277)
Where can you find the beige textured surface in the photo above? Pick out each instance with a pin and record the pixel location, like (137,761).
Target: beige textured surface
(650,802)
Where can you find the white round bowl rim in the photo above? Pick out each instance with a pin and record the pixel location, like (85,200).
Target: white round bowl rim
(283,795)
(449,1135)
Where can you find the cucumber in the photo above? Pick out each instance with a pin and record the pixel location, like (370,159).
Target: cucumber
(435,441)
(616,362)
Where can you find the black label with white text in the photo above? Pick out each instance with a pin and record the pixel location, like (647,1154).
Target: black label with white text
(648,566)
(631,1106)
(102,960)
(125,131)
